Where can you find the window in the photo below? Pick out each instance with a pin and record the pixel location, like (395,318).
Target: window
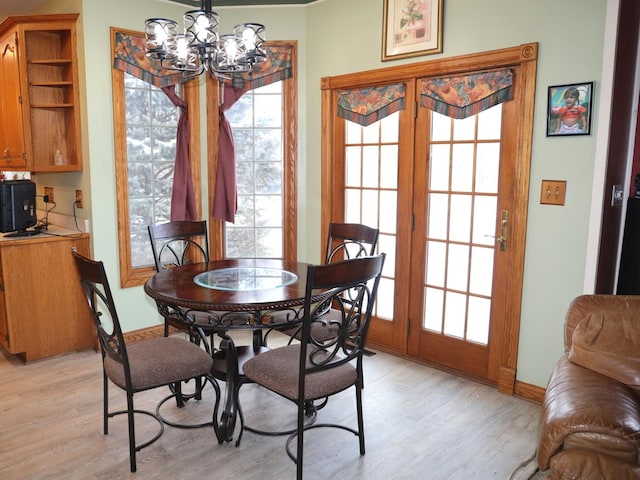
(145,123)
(256,122)
(264,124)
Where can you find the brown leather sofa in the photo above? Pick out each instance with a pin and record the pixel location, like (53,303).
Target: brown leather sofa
(590,424)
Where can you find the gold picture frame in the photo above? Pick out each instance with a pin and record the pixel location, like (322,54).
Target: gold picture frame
(411,28)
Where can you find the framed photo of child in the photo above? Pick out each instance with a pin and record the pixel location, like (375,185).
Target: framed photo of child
(569,109)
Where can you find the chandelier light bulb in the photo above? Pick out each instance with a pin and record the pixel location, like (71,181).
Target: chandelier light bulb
(161,35)
(230,48)
(202,26)
(182,47)
(249,39)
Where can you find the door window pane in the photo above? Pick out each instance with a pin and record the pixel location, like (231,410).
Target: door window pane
(460,213)
(433,309)
(490,124)
(438,214)
(457,267)
(478,320)
(464,129)
(462,168)
(440,127)
(389,166)
(436,257)
(455,314)
(481,278)
(439,167)
(484,219)
(487,169)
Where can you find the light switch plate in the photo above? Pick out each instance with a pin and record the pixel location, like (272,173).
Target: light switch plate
(553,192)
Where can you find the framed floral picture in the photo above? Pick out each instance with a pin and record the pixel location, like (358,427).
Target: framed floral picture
(569,109)
(411,28)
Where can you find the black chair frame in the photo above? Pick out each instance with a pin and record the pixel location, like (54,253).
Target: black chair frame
(361,275)
(114,350)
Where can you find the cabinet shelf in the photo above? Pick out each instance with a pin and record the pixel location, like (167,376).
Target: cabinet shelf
(53,105)
(42,112)
(52,84)
(53,61)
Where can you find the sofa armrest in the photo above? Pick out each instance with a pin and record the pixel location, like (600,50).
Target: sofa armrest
(585,410)
(611,305)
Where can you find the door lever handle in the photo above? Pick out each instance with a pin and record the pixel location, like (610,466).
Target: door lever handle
(504,223)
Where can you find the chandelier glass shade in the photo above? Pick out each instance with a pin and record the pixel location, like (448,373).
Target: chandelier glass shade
(199,47)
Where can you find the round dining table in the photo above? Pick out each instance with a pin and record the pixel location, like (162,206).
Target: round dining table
(233,294)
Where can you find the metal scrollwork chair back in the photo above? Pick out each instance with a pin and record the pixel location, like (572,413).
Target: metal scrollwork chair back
(314,368)
(350,240)
(175,244)
(345,241)
(144,365)
(178,243)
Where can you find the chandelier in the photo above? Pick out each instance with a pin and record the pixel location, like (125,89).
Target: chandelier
(199,48)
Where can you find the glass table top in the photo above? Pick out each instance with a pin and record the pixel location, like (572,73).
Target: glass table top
(245,278)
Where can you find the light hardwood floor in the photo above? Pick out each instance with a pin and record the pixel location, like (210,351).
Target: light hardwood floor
(420,424)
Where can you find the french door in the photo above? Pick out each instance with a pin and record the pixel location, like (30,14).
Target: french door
(460,240)
(451,216)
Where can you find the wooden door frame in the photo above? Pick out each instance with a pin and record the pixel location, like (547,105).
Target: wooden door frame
(503,360)
(623,139)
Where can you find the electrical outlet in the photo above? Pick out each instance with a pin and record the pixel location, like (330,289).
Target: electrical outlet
(79,199)
(48,191)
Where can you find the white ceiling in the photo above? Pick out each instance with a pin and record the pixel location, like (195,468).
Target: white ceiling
(17,7)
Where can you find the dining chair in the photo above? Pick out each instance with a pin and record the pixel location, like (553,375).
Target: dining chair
(141,366)
(350,240)
(313,369)
(175,244)
(344,241)
(178,243)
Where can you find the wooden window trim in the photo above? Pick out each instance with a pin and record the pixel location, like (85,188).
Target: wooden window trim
(129,276)
(290,152)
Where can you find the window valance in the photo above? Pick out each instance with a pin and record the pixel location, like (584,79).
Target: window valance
(466,95)
(130,56)
(278,66)
(365,106)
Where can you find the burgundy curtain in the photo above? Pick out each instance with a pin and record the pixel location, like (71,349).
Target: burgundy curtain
(130,56)
(225,201)
(183,204)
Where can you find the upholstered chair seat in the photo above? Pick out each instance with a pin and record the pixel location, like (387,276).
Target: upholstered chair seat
(159,361)
(277,371)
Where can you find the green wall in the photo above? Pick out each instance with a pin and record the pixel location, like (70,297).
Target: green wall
(556,236)
(343,36)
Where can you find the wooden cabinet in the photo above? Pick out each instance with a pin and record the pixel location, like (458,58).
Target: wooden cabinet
(43,311)
(12,154)
(40,93)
